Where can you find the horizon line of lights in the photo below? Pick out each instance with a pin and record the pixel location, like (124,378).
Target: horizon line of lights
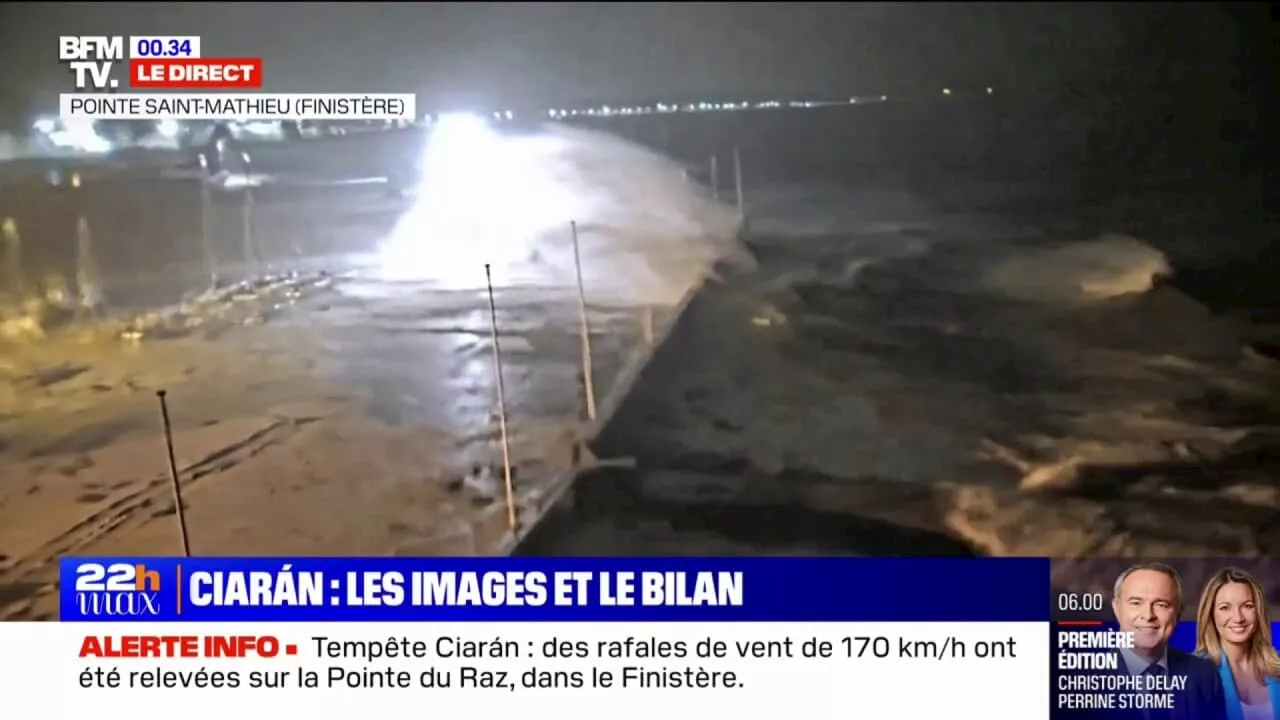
(669,108)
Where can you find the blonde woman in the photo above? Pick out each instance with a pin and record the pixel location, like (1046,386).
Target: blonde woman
(1233,629)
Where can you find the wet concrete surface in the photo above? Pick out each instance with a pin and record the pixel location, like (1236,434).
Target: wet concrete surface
(383,395)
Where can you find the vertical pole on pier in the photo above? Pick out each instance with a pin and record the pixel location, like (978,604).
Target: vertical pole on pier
(86,271)
(502,406)
(646,324)
(88,279)
(246,222)
(715,178)
(588,382)
(206,222)
(179,511)
(737,181)
(14,276)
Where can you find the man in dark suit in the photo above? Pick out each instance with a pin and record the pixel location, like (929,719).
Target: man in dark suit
(1148,603)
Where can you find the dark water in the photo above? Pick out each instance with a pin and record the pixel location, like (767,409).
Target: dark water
(826,188)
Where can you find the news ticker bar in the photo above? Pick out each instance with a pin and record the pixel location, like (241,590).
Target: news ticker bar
(1000,671)
(578,589)
(252,106)
(1085,671)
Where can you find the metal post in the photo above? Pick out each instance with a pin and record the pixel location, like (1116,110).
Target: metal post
(588,381)
(88,279)
(715,178)
(737,181)
(646,324)
(15,276)
(246,216)
(180,512)
(502,406)
(206,222)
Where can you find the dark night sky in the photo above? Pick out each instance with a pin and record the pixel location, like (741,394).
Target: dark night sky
(495,54)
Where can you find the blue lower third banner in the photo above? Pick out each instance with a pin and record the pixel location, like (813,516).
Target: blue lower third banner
(1102,672)
(580,590)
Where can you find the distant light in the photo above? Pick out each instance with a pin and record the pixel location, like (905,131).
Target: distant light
(946,91)
(989,91)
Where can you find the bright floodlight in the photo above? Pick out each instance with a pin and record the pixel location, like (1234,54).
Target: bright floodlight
(168,128)
(485,198)
(482,199)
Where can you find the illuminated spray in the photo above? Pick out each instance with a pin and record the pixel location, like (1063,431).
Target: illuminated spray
(652,235)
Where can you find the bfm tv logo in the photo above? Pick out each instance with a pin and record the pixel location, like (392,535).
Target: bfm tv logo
(117,590)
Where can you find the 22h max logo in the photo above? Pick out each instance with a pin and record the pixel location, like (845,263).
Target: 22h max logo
(117,590)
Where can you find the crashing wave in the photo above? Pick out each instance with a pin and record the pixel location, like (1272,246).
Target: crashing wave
(1106,267)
